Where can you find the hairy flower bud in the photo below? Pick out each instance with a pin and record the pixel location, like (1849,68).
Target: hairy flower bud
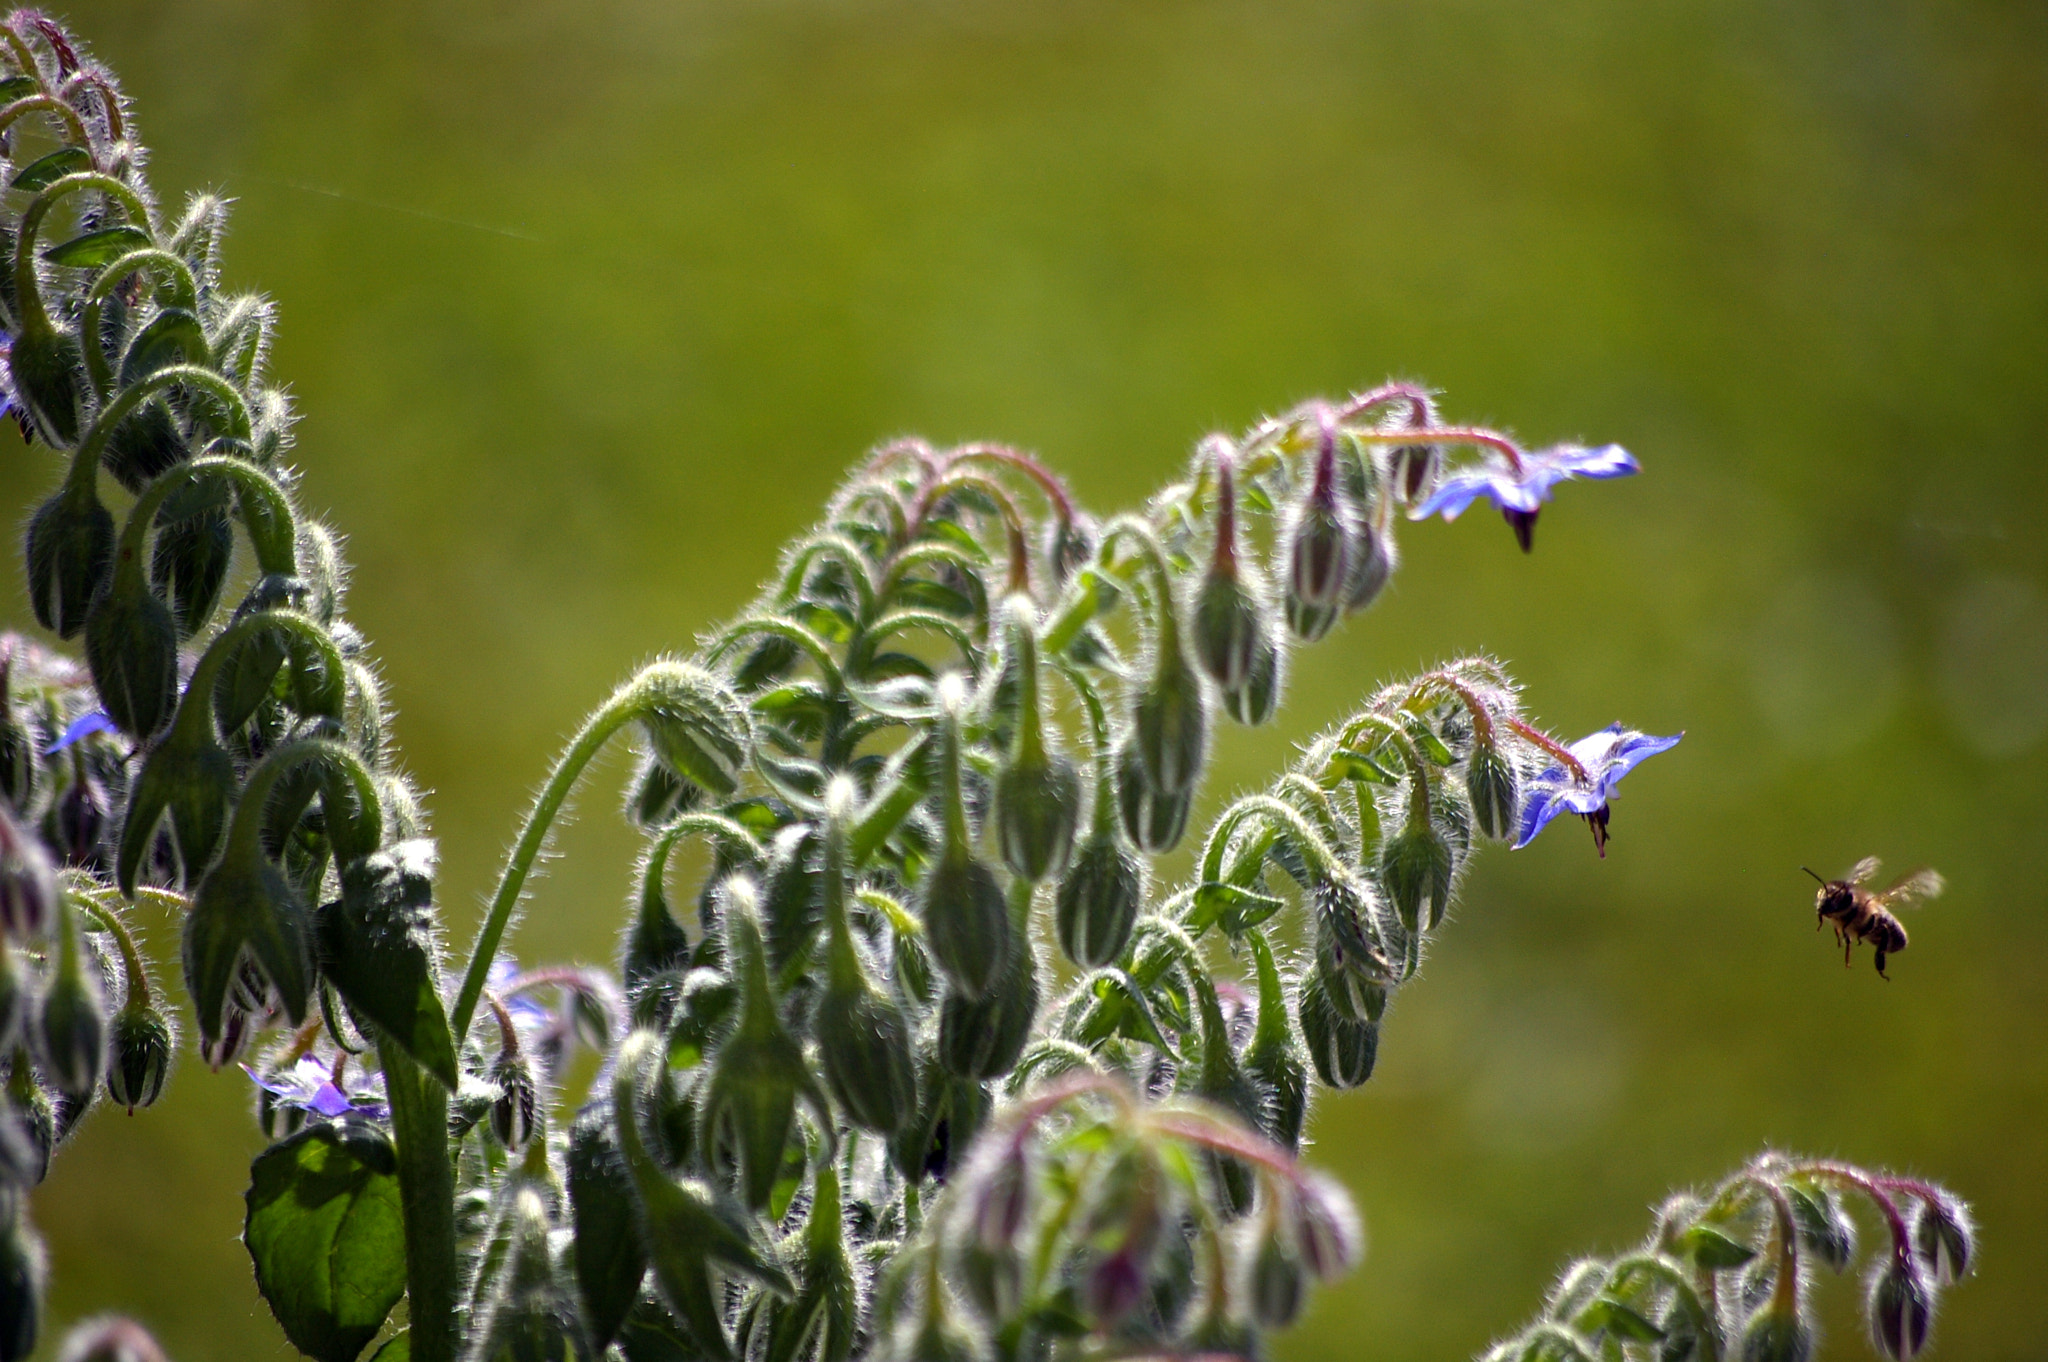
(28,881)
(1317,539)
(792,897)
(45,366)
(1415,866)
(695,725)
(1495,790)
(70,557)
(1326,1227)
(191,555)
(24,1268)
(966,922)
(1153,818)
(1098,900)
(131,647)
(1069,544)
(71,1030)
(1037,809)
(1945,1238)
(1170,724)
(983,1037)
(1777,1334)
(1901,1308)
(1342,1049)
(865,1045)
(516,1110)
(1823,1226)
(1276,1284)
(139,1056)
(20,749)
(1371,564)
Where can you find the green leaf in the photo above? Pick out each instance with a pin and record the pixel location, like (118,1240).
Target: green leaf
(173,336)
(1426,739)
(15,87)
(1710,1248)
(1618,1320)
(397,1348)
(932,596)
(609,1257)
(377,944)
(1346,764)
(1230,906)
(95,249)
(46,170)
(327,1237)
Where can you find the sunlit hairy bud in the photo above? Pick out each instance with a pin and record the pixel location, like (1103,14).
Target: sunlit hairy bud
(1776,1334)
(1258,699)
(28,881)
(139,1058)
(1317,539)
(131,647)
(1170,725)
(1326,1225)
(1495,790)
(1372,561)
(1098,900)
(190,556)
(237,1030)
(792,896)
(1823,1227)
(1037,791)
(320,564)
(695,725)
(967,922)
(70,557)
(45,366)
(982,1038)
(865,1044)
(1413,469)
(1415,866)
(1154,819)
(1901,1307)
(516,1110)
(1945,1237)
(1343,1050)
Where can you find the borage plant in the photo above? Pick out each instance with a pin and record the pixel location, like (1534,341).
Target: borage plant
(936,1068)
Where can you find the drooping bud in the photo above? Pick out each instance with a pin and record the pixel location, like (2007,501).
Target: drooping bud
(71,1029)
(28,881)
(191,555)
(1415,866)
(1170,719)
(1326,1226)
(515,1111)
(70,557)
(1274,1060)
(1945,1238)
(792,898)
(139,1056)
(1777,1333)
(45,366)
(863,1036)
(1258,699)
(131,647)
(246,910)
(1495,789)
(1229,620)
(1317,538)
(1901,1308)
(237,1029)
(696,726)
(1823,1226)
(1223,1081)
(1342,1049)
(983,1037)
(1099,897)
(966,922)
(1153,818)
(1113,1287)
(20,750)
(1276,1283)
(1372,560)
(24,1267)
(1038,791)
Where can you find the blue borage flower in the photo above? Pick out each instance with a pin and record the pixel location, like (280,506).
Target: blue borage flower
(81,728)
(1603,758)
(310,1086)
(1520,487)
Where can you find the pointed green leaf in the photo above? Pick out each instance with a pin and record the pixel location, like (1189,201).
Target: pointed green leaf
(95,249)
(46,170)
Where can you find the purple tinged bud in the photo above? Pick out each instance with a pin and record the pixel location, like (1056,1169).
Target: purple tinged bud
(515,1112)
(237,1029)
(1945,1237)
(1326,1225)
(28,881)
(1114,1287)
(1901,1308)
(1318,547)
(1002,1200)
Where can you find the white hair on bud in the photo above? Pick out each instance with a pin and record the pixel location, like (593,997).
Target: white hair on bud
(842,797)
(952,693)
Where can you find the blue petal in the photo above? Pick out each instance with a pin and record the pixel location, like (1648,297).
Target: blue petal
(1538,808)
(1608,461)
(330,1102)
(1628,753)
(85,725)
(1457,492)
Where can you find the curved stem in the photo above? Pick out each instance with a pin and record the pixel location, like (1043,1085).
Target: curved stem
(110,100)
(47,103)
(624,706)
(1555,748)
(85,461)
(275,554)
(1482,717)
(193,720)
(246,827)
(124,941)
(819,653)
(850,556)
(716,827)
(1317,853)
(28,285)
(1152,555)
(1055,490)
(96,367)
(1421,402)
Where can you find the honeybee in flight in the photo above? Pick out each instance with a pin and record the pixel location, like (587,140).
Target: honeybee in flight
(1859,913)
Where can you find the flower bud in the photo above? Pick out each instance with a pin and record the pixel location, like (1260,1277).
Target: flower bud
(1113,1287)
(1317,537)
(1274,1060)
(1276,1284)
(1229,630)
(655,795)
(1413,469)
(1415,866)
(1776,1334)
(1495,790)
(1371,564)
(792,897)
(77,821)
(1098,900)
(44,364)
(189,561)
(1343,1050)
(697,727)
(1037,809)
(140,1056)
(194,783)
(983,1038)
(245,910)
(1901,1308)
(864,1043)
(131,647)
(966,922)
(1170,722)
(1326,1227)
(237,1029)
(1001,1199)
(70,557)
(20,748)
(1069,544)
(1823,1227)
(71,1030)
(28,881)
(1153,818)
(516,1110)
(24,1267)
(1945,1238)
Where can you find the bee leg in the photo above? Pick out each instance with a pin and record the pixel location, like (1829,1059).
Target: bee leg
(1880,967)
(1848,949)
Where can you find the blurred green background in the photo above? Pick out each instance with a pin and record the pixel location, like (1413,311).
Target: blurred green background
(587,304)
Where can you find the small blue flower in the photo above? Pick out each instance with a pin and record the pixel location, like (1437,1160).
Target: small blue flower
(81,728)
(1521,492)
(1605,757)
(310,1085)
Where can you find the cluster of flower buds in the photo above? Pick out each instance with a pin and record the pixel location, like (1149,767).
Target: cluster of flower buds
(1729,1273)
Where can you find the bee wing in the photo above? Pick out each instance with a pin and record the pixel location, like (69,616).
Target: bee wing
(1921,884)
(1866,870)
